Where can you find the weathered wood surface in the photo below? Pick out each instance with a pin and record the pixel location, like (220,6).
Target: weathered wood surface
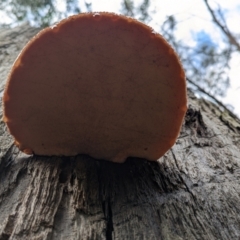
(193,192)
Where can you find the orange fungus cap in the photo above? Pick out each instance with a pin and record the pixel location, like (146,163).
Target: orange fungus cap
(99,84)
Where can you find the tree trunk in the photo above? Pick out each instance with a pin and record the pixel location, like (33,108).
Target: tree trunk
(193,192)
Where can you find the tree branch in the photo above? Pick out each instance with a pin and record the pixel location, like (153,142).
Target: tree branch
(224,27)
(212,97)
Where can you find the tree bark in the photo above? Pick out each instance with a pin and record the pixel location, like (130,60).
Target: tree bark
(192,192)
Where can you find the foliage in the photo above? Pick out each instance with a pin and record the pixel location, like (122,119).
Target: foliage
(141,12)
(39,12)
(205,64)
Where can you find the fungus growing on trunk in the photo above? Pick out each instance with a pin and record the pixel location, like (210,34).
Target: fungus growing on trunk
(99,84)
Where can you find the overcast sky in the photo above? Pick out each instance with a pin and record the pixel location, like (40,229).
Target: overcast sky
(193,17)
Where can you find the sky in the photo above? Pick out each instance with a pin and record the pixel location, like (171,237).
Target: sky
(193,20)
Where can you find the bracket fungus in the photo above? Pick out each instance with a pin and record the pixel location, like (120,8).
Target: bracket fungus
(99,84)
